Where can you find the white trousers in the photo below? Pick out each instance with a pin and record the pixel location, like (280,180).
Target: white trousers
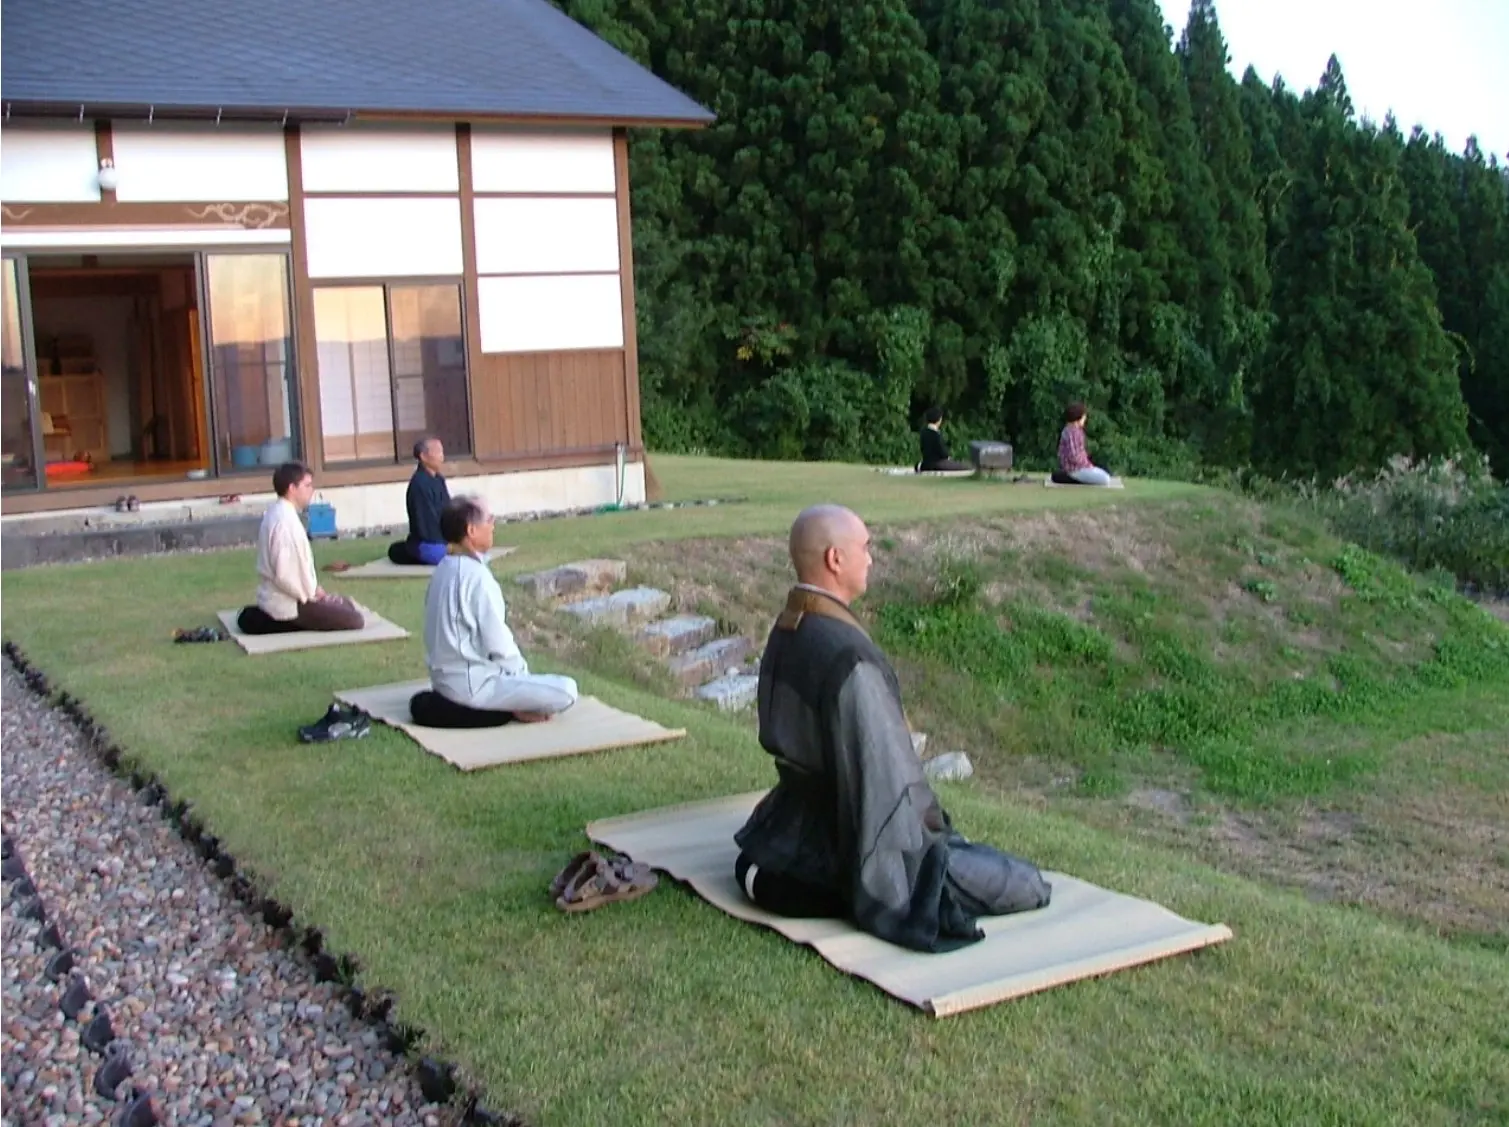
(1093,475)
(526,692)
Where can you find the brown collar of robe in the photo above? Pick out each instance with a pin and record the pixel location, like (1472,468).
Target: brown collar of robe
(804,600)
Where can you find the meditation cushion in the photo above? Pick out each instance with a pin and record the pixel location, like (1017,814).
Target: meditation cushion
(431,710)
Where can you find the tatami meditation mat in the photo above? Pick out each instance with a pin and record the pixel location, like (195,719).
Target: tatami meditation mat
(377,629)
(909,471)
(384,568)
(588,725)
(1085,931)
(1116,483)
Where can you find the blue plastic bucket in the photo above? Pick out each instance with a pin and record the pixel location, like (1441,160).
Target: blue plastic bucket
(321,519)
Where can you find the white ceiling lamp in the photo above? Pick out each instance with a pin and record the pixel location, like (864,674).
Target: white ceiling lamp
(109,178)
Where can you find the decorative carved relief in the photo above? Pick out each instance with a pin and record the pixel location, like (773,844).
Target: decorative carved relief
(252,215)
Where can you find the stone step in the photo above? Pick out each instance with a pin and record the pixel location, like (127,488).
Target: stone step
(731,692)
(669,637)
(951,766)
(709,661)
(628,607)
(581,577)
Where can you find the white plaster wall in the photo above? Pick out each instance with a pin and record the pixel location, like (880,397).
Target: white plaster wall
(353,237)
(49,164)
(551,314)
(193,163)
(505,160)
(545,235)
(508,494)
(375,158)
(375,506)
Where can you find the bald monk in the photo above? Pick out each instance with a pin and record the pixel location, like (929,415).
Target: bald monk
(852,828)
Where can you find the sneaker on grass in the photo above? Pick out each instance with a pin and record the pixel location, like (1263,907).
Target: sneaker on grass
(338,723)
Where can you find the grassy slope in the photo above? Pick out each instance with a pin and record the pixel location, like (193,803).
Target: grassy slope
(666,1012)
(1198,672)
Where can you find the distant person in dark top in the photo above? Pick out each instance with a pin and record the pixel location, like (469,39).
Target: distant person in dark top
(428,495)
(934,449)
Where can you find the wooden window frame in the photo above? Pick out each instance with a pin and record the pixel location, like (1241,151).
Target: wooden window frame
(386,286)
(219,471)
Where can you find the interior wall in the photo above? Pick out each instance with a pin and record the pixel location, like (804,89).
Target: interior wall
(106,320)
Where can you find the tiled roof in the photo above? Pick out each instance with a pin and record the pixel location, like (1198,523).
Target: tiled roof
(457,58)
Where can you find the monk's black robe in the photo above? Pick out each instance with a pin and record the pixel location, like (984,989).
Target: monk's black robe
(851,810)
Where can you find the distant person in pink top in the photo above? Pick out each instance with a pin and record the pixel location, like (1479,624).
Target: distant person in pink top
(1074,465)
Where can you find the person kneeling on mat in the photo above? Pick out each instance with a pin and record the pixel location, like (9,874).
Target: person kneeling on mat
(427,496)
(289,598)
(1074,465)
(478,676)
(852,829)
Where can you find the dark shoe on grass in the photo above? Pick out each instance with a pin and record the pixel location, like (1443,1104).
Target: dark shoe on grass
(200,634)
(338,723)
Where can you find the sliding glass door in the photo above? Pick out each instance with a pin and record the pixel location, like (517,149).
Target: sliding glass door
(19,441)
(250,360)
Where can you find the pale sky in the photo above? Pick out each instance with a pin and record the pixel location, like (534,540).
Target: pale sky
(1443,64)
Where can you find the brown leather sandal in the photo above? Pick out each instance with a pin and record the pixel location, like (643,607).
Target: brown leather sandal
(572,871)
(606,882)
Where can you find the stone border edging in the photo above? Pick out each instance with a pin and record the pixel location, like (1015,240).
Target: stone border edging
(437,1077)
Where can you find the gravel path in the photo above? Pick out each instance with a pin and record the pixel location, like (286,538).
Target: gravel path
(219,1025)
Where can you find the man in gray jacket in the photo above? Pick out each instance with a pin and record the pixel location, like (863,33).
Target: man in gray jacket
(472,656)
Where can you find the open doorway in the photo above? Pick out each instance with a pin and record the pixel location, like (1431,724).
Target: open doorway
(119,367)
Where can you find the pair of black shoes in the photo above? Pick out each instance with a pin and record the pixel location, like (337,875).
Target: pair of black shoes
(200,634)
(339,723)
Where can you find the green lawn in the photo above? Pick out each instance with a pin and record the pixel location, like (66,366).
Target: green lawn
(666,1012)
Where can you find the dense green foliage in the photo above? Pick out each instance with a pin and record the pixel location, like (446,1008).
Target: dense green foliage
(1445,516)
(1000,205)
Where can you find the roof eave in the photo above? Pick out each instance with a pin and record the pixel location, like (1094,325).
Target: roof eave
(11,108)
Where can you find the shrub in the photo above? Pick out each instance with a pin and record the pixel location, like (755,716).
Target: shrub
(1441,514)
(1439,517)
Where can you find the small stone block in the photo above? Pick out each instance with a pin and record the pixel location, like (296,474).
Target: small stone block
(641,604)
(598,611)
(990,455)
(951,766)
(731,692)
(670,636)
(709,661)
(601,575)
(554,583)
(574,578)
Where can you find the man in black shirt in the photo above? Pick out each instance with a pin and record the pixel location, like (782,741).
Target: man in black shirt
(934,449)
(427,496)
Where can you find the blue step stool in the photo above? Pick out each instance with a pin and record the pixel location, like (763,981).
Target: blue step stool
(321,520)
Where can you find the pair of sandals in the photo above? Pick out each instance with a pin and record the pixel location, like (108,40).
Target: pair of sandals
(591,880)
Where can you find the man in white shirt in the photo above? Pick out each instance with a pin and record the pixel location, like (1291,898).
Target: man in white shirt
(473,659)
(289,598)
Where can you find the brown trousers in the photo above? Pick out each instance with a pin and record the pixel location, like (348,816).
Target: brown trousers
(334,613)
